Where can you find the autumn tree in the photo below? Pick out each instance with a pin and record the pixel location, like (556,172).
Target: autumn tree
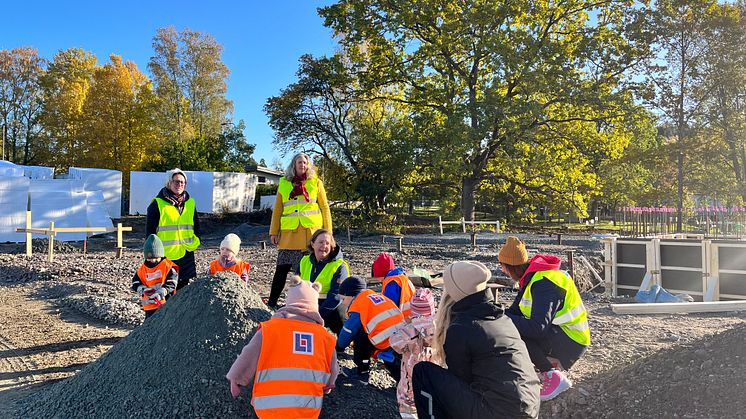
(21,70)
(65,88)
(495,73)
(119,127)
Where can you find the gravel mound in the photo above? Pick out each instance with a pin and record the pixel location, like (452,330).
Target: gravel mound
(701,379)
(172,366)
(109,309)
(42,245)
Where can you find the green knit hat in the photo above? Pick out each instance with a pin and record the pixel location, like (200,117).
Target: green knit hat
(153,247)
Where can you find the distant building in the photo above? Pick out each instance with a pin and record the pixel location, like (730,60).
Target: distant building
(265,175)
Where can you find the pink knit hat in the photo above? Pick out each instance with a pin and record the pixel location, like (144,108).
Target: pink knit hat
(303,294)
(423,302)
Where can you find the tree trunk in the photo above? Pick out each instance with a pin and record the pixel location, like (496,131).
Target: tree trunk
(469,184)
(680,195)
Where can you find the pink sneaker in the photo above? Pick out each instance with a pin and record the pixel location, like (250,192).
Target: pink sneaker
(553,382)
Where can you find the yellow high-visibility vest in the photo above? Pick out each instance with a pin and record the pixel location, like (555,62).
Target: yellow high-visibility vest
(297,211)
(175,230)
(325,276)
(572,316)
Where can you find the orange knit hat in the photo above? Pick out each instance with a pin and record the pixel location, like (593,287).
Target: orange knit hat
(513,252)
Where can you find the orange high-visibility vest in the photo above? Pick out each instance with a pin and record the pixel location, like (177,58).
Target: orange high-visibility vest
(407,292)
(293,368)
(239,268)
(151,277)
(379,315)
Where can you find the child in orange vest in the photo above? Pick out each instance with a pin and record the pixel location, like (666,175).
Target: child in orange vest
(414,342)
(292,347)
(156,278)
(228,260)
(371,319)
(396,285)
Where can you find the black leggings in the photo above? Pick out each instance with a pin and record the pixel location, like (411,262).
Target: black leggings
(187,269)
(557,345)
(363,349)
(278,283)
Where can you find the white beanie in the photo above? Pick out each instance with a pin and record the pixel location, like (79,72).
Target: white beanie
(231,242)
(464,278)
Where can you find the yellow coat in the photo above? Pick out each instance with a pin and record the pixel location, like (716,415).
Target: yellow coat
(299,238)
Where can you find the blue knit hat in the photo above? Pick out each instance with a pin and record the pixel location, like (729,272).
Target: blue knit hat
(352,286)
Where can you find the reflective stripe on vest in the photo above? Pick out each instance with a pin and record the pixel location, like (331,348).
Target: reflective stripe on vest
(325,276)
(293,374)
(288,401)
(293,367)
(297,211)
(406,293)
(175,230)
(379,316)
(572,317)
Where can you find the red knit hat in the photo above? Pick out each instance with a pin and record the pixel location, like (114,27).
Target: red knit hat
(382,265)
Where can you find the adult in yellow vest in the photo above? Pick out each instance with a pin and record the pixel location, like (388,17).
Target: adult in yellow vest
(326,267)
(172,216)
(290,359)
(548,313)
(300,209)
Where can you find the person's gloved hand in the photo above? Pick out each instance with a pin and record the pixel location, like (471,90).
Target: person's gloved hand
(161,293)
(245,277)
(141,290)
(235,389)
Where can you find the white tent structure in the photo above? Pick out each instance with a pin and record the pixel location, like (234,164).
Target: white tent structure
(38,172)
(109,182)
(62,201)
(213,192)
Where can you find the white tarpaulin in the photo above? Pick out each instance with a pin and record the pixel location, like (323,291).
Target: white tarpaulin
(212,191)
(267,201)
(10,169)
(96,212)
(13,204)
(109,182)
(62,201)
(38,172)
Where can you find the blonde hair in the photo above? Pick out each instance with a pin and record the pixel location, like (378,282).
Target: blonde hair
(290,170)
(442,321)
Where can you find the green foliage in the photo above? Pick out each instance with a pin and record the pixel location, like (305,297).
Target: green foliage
(268,189)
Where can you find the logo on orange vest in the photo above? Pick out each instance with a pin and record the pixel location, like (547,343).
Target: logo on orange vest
(377,299)
(303,343)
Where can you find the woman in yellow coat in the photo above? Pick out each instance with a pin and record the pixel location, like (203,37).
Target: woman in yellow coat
(300,209)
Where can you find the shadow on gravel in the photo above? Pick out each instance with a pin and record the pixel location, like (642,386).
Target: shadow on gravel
(59,347)
(51,370)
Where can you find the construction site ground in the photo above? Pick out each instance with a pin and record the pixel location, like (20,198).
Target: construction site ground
(57,317)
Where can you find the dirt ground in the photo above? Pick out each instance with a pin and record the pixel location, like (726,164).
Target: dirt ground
(57,317)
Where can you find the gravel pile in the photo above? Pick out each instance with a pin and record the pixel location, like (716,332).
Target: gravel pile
(172,366)
(109,309)
(42,245)
(701,379)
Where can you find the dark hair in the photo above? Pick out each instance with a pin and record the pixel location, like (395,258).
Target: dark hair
(316,235)
(516,271)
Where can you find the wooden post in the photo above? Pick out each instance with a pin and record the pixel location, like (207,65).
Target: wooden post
(559,238)
(50,235)
(28,234)
(120,246)
(398,243)
(497,227)
(463,224)
(571,262)
(440,224)
(473,239)
(349,236)
(383,238)
(262,244)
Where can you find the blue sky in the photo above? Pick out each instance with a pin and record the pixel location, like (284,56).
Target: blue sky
(262,39)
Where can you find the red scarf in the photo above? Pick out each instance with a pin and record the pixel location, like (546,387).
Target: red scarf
(299,187)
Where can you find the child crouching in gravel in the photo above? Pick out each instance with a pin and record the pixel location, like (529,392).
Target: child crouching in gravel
(414,341)
(156,278)
(228,260)
(290,359)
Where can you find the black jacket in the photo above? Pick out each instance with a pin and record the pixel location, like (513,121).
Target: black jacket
(546,299)
(154,217)
(484,349)
(331,302)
